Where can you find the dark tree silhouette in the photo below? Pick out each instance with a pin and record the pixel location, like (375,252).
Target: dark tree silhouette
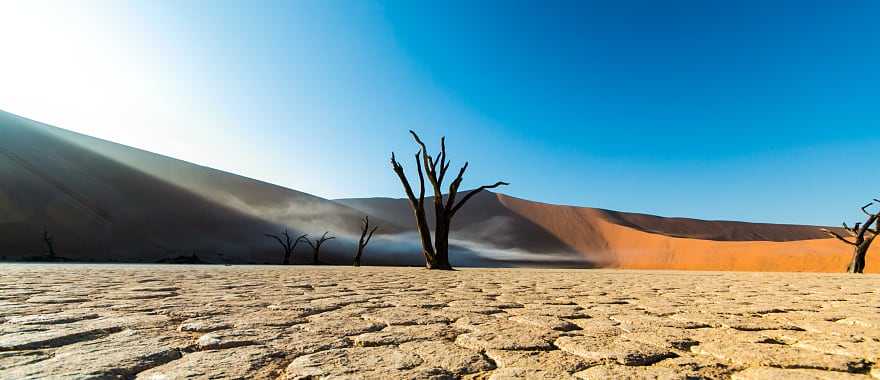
(316,246)
(287,243)
(863,235)
(436,253)
(366,235)
(50,243)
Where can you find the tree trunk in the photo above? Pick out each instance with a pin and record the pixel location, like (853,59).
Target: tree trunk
(315,257)
(441,245)
(286,258)
(857,264)
(357,257)
(425,235)
(439,264)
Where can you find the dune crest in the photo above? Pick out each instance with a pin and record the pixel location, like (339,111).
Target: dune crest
(598,238)
(109,202)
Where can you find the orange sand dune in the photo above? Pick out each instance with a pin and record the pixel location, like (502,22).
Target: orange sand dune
(608,244)
(616,239)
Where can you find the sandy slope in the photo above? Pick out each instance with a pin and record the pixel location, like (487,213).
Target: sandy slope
(106,201)
(611,244)
(627,240)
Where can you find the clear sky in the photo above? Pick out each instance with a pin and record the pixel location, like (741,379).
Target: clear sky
(746,110)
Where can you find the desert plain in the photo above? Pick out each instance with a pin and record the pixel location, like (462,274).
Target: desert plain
(93,321)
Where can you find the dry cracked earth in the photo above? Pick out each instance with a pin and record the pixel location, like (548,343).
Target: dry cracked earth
(195,322)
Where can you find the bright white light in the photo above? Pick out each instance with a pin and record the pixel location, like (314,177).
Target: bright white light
(114,72)
(61,66)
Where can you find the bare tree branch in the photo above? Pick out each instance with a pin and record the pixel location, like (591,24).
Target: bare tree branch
(865,207)
(276,238)
(421,180)
(444,165)
(370,236)
(403,180)
(316,246)
(474,192)
(841,238)
(453,187)
(429,162)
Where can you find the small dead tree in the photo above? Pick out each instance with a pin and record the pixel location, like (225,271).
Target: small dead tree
(50,243)
(437,252)
(863,235)
(287,243)
(364,240)
(316,246)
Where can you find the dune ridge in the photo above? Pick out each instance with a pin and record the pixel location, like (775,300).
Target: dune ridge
(597,237)
(109,202)
(614,239)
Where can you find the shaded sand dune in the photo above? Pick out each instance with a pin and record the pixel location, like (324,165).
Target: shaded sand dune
(106,201)
(626,240)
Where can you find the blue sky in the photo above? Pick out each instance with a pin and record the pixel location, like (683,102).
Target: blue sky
(748,110)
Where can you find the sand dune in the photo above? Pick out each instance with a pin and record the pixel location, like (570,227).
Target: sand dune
(599,238)
(106,201)
(109,202)
(626,240)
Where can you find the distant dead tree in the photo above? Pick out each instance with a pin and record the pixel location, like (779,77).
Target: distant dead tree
(50,243)
(316,246)
(366,235)
(863,235)
(287,243)
(436,253)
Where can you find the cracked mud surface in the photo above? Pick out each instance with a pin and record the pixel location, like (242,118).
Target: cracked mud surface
(299,322)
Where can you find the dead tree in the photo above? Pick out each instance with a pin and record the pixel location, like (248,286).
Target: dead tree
(50,243)
(436,253)
(287,243)
(364,240)
(863,235)
(316,246)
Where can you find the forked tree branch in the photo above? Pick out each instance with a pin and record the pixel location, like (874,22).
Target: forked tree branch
(474,192)
(365,238)
(370,236)
(444,164)
(402,175)
(319,241)
(453,187)
(865,207)
(841,238)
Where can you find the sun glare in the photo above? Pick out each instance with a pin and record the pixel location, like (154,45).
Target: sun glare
(68,64)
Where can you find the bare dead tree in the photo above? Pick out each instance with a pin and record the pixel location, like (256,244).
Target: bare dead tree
(364,240)
(287,243)
(863,235)
(436,253)
(316,246)
(50,243)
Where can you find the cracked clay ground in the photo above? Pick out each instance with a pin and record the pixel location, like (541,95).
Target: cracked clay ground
(181,322)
